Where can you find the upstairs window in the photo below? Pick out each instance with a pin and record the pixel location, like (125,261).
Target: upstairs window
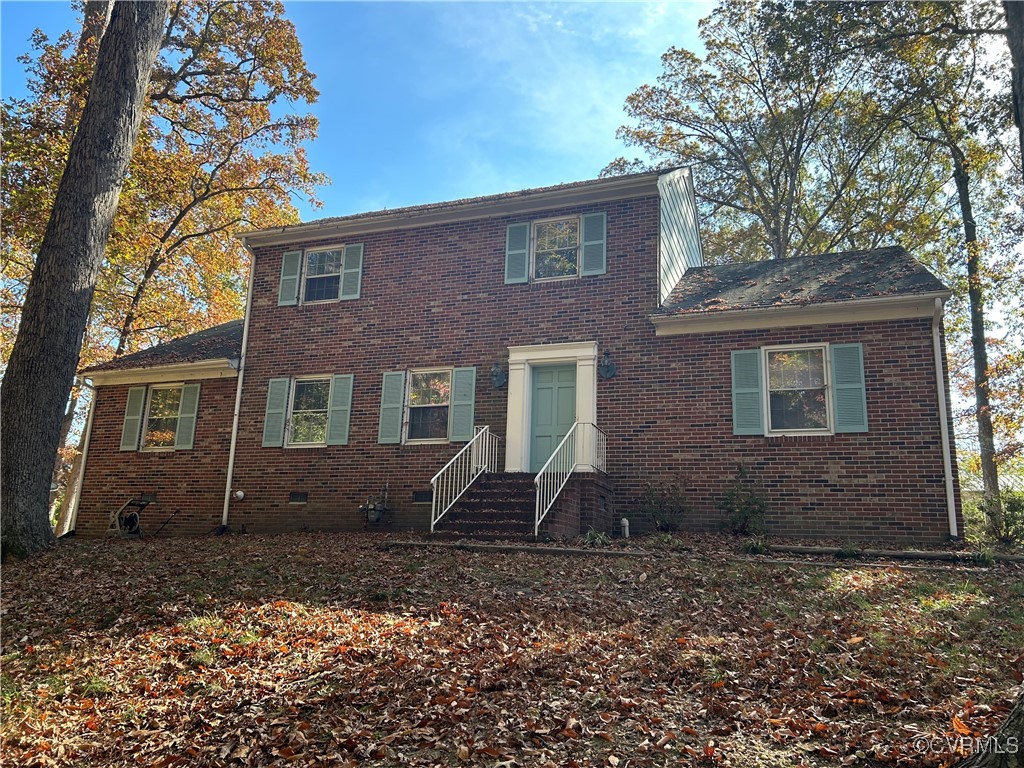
(320,275)
(556,248)
(553,249)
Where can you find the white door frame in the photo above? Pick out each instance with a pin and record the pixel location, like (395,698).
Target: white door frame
(520,379)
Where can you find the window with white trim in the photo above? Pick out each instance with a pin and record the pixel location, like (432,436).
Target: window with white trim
(799,389)
(429,398)
(318,275)
(556,248)
(322,275)
(162,414)
(796,388)
(307,411)
(427,405)
(160,417)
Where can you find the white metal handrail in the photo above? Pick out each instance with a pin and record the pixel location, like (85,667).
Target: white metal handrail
(584,446)
(477,456)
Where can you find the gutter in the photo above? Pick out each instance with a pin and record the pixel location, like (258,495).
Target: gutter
(73,517)
(238,392)
(940,386)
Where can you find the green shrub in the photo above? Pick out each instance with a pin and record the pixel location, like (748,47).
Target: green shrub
(985,528)
(743,505)
(667,505)
(755,546)
(594,538)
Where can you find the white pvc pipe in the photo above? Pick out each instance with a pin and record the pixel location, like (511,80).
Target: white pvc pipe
(73,518)
(238,388)
(940,386)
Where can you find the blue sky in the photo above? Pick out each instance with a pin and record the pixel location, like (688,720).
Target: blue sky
(423,102)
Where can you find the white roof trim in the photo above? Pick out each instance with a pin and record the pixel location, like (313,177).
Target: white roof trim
(219,368)
(853,311)
(599,191)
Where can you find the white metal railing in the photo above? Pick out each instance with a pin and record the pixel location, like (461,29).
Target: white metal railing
(477,456)
(584,447)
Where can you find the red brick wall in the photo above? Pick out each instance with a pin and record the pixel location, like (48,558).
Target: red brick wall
(886,483)
(189,482)
(434,296)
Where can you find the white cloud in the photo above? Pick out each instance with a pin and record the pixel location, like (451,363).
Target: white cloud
(551,80)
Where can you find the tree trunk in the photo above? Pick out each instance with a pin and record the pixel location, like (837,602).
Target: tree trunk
(1015,37)
(1005,747)
(986,438)
(42,365)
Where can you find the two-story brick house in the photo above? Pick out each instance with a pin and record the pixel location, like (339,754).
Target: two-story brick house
(375,347)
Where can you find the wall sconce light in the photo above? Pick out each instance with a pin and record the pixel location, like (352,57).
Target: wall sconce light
(499,377)
(606,368)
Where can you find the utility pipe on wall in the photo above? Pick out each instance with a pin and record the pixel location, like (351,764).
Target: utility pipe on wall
(940,385)
(238,390)
(73,517)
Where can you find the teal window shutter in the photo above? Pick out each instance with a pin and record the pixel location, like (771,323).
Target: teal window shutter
(747,397)
(517,253)
(352,273)
(186,431)
(277,408)
(291,271)
(849,395)
(460,411)
(392,402)
(593,245)
(133,418)
(340,410)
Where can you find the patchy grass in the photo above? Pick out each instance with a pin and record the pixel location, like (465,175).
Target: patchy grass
(340,650)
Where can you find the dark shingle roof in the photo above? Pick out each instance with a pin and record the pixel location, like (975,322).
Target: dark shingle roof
(830,277)
(414,210)
(221,341)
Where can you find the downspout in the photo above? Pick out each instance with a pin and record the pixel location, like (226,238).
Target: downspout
(73,518)
(238,390)
(940,385)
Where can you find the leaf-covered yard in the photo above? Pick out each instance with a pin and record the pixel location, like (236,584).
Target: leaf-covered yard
(344,650)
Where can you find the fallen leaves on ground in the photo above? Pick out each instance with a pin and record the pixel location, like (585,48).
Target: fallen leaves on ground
(344,650)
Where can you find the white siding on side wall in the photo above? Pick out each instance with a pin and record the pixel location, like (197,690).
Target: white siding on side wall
(679,238)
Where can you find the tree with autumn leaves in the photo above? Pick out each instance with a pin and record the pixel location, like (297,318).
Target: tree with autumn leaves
(815,127)
(218,152)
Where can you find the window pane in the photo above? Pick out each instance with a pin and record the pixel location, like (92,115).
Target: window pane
(322,288)
(311,395)
(798,409)
(796,369)
(556,263)
(432,388)
(323,263)
(309,427)
(160,432)
(556,248)
(165,402)
(162,419)
(428,423)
